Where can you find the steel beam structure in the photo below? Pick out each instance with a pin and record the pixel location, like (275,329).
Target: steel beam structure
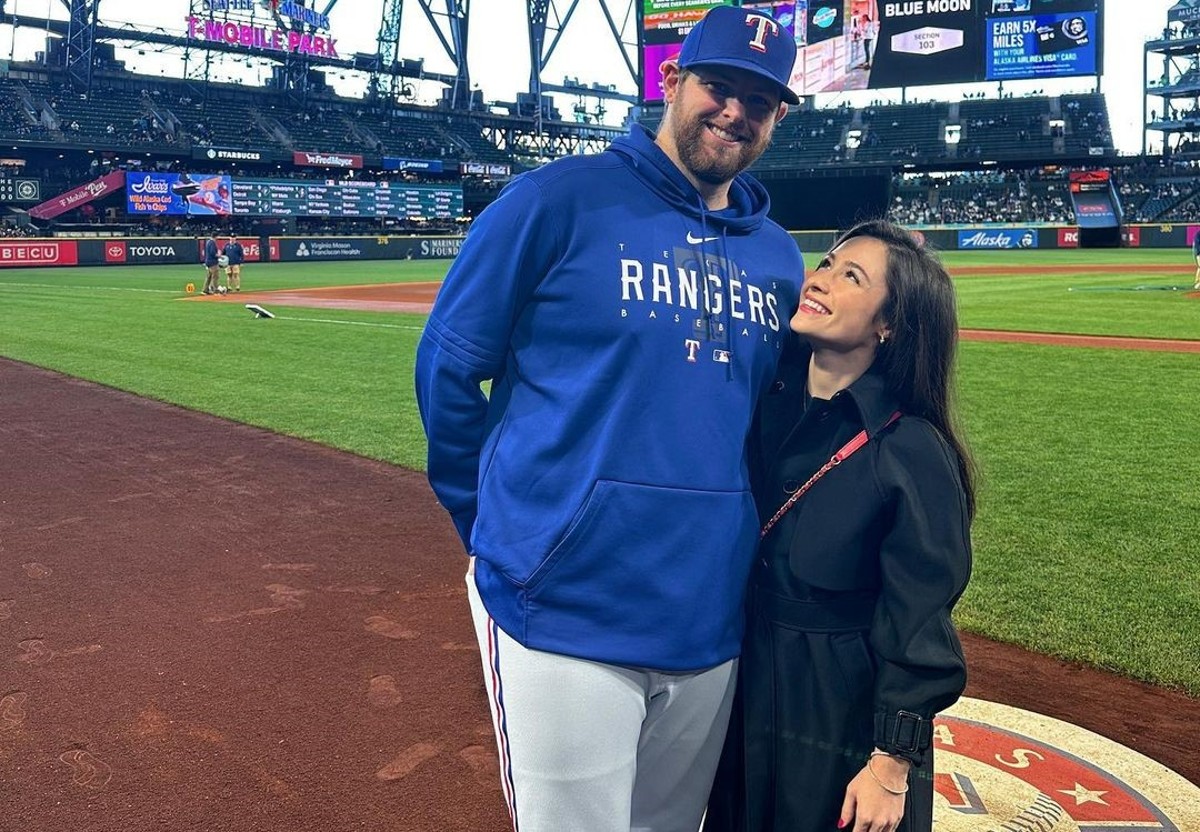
(452,27)
(81,42)
(385,84)
(549,22)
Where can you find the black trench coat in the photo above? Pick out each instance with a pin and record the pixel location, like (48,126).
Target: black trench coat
(849,643)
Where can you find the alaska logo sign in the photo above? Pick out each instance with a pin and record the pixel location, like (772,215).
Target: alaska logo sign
(1000,768)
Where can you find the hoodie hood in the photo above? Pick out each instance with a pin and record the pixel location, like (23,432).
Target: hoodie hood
(748,199)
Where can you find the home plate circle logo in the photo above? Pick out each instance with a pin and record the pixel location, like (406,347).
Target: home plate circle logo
(1001,769)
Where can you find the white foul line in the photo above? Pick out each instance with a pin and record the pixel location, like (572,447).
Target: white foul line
(347,323)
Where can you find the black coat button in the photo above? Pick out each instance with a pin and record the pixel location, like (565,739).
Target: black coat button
(791,486)
(778,386)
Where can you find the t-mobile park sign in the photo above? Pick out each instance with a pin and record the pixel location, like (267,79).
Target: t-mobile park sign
(261,37)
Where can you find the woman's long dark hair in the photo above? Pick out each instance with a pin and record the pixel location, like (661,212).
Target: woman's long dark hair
(918,357)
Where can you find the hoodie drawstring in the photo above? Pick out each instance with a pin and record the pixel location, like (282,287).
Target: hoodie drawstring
(726,268)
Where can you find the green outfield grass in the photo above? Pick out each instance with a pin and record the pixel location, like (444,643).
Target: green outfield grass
(1090,501)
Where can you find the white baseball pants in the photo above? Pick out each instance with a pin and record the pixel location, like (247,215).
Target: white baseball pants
(591,747)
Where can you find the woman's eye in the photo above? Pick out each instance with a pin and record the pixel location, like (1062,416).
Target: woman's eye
(824,264)
(853,277)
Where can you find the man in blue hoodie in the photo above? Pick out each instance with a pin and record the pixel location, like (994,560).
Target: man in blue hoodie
(628,308)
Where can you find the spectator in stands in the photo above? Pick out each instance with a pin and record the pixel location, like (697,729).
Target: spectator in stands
(668,525)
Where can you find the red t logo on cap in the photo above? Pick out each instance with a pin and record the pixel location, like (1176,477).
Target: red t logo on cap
(765,24)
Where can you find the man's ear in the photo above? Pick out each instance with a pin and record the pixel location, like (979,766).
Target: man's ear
(783,111)
(670,80)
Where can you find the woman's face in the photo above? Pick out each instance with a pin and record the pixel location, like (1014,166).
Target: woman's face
(841,301)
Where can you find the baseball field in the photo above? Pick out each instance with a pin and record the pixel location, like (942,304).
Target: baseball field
(1090,456)
(230,600)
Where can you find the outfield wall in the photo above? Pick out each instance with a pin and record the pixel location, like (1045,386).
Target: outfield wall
(996,237)
(148,251)
(160,251)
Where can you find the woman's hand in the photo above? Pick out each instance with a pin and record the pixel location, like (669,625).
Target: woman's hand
(871,804)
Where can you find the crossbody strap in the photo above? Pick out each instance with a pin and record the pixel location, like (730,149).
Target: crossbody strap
(838,458)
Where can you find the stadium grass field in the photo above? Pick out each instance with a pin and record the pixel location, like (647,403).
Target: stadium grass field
(1090,458)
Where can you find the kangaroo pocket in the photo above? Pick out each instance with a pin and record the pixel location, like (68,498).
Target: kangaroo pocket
(647,576)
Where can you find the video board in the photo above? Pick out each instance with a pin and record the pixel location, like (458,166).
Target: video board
(176,194)
(880,44)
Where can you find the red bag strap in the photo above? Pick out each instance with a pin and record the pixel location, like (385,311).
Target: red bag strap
(838,458)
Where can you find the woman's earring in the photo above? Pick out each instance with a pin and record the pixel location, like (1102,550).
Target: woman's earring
(882,338)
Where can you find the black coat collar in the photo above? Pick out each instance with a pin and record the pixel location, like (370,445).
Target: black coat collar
(873,404)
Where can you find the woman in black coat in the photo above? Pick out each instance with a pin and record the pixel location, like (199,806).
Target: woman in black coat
(850,650)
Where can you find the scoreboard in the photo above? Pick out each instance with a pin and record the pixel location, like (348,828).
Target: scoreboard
(20,190)
(343,198)
(881,44)
(220,194)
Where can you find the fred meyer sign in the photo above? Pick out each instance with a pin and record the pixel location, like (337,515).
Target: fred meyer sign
(327,160)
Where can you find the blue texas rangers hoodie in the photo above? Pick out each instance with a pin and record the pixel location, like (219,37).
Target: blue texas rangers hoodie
(627,333)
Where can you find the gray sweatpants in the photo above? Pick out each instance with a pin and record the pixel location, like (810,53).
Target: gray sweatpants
(592,747)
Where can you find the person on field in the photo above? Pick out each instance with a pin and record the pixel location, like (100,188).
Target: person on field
(628,308)
(235,255)
(211,260)
(866,495)
(1196,257)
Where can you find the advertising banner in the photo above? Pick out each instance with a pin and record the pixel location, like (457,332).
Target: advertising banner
(1041,46)
(327,160)
(422,165)
(928,42)
(178,194)
(367,248)
(665,23)
(81,195)
(1068,238)
(879,44)
(1094,209)
(264,37)
(27,253)
(485,169)
(116,252)
(148,251)
(971,239)
(251,248)
(826,19)
(229,154)
(1185,11)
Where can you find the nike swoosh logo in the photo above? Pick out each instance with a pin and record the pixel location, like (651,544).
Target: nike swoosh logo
(695,241)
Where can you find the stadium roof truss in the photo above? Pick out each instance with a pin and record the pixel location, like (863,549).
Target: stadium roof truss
(84,29)
(546,18)
(548,22)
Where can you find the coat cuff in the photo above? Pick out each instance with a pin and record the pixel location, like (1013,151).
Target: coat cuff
(904,734)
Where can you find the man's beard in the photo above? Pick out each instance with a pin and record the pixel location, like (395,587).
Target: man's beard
(714,168)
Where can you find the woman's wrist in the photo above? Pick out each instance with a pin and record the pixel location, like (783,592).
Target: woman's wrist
(889,771)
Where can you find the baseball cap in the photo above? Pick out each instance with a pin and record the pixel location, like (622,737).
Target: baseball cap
(742,39)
